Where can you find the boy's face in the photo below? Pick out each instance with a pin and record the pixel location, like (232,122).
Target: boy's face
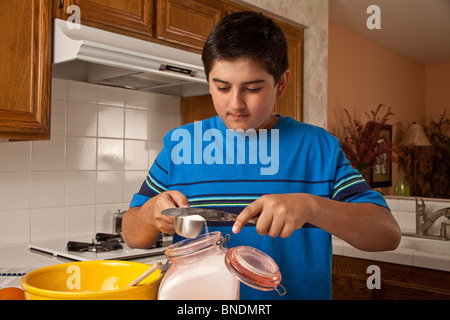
(244,93)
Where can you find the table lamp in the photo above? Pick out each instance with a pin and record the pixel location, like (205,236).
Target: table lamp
(415,137)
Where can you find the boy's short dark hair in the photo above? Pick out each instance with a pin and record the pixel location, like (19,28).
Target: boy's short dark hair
(247,34)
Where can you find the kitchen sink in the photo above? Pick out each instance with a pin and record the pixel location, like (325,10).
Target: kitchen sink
(426,245)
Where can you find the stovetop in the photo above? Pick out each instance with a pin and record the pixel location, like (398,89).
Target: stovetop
(102,247)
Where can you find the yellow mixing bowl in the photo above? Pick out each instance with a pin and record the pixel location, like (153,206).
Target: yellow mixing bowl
(91,280)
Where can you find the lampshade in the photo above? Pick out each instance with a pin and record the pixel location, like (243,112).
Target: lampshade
(415,136)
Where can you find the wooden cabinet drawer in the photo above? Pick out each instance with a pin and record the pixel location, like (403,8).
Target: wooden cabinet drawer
(398,282)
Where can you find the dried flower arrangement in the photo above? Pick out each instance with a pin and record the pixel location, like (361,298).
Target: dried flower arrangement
(364,145)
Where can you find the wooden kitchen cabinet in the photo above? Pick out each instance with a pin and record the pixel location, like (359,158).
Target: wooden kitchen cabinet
(196,109)
(25,71)
(186,23)
(25,48)
(183,24)
(133,18)
(398,282)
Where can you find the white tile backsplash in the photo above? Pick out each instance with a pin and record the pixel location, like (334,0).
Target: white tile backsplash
(47,189)
(132,181)
(59,117)
(136,124)
(81,153)
(163,103)
(103,141)
(111,96)
(47,223)
(137,99)
(82,119)
(79,221)
(136,154)
(155,148)
(82,92)
(104,216)
(110,154)
(15,226)
(15,156)
(49,155)
(111,122)
(109,187)
(80,188)
(14,190)
(160,124)
(60,90)
(407,205)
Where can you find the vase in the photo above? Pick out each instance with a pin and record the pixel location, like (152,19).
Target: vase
(402,186)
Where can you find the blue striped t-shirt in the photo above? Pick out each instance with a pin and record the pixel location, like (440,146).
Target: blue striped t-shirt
(217,168)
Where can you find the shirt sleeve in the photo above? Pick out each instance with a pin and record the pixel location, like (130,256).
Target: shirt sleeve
(350,186)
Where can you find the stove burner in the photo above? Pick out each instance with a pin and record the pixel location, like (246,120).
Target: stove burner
(108,237)
(105,243)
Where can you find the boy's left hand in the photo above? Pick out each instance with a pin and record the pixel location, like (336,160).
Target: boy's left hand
(279,214)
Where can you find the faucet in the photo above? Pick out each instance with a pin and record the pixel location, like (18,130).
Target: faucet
(420,216)
(424,221)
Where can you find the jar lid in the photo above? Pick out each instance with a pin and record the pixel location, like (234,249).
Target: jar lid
(195,245)
(254,268)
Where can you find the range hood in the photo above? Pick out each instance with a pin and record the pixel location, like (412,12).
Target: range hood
(96,56)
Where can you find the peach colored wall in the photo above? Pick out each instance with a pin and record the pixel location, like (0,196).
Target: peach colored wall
(363,74)
(437,94)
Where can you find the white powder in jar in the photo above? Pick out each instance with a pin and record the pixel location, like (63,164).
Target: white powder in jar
(208,280)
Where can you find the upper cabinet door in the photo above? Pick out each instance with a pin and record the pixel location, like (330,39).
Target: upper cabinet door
(186,23)
(25,71)
(130,17)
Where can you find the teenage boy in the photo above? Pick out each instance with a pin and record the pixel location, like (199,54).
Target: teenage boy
(311,193)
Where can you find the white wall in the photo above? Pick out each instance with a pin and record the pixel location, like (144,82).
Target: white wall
(103,141)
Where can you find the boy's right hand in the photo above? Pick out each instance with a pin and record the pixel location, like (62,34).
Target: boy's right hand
(141,226)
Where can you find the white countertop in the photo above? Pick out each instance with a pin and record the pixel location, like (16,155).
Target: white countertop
(21,256)
(412,251)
